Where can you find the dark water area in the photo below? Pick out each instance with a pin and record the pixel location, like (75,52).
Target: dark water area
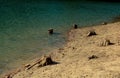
(24,25)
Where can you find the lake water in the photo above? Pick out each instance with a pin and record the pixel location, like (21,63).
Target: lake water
(24,25)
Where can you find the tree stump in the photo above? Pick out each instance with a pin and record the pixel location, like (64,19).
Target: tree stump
(105,42)
(75,26)
(104,23)
(91,33)
(46,61)
(50,31)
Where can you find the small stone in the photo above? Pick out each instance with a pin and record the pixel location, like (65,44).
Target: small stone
(92,57)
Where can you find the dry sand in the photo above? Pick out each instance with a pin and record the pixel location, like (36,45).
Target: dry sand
(82,56)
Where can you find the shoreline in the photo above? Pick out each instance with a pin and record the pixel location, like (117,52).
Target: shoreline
(58,52)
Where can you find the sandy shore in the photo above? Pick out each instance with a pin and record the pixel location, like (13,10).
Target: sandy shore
(94,56)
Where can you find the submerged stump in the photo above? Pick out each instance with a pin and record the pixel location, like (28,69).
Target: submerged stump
(104,23)
(75,26)
(50,31)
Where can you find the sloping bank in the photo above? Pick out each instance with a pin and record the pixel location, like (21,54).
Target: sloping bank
(91,52)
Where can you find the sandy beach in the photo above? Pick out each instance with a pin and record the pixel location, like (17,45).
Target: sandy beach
(91,52)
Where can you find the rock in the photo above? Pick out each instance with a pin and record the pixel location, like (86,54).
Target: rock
(75,26)
(50,31)
(91,33)
(92,57)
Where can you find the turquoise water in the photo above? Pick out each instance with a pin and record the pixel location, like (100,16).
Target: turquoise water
(24,25)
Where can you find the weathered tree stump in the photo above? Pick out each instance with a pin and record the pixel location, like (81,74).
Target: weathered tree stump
(44,61)
(105,42)
(118,40)
(104,23)
(75,26)
(50,31)
(91,33)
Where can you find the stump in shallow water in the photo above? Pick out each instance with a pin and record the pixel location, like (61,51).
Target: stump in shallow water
(91,33)
(75,26)
(104,23)
(50,31)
